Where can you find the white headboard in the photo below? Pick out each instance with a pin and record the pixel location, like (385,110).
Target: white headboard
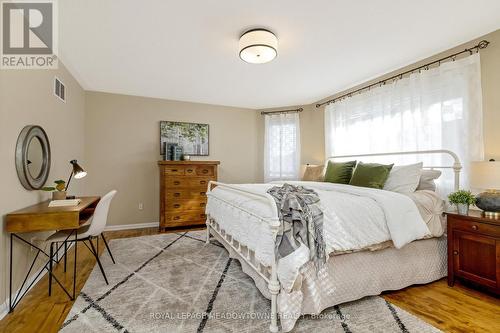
(456,166)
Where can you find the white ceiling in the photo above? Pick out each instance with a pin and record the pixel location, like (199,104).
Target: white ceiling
(188,50)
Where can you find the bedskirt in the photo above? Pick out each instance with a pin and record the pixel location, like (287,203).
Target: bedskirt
(356,275)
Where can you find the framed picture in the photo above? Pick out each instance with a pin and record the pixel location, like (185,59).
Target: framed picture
(193,138)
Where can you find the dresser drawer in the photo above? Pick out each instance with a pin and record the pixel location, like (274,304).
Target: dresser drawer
(187,182)
(205,170)
(185,205)
(182,194)
(179,218)
(474,227)
(174,170)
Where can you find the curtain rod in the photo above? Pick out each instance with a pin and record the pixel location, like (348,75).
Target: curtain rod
(481,45)
(282,111)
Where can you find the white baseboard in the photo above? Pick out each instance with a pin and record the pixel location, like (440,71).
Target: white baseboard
(4,307)
(132,226)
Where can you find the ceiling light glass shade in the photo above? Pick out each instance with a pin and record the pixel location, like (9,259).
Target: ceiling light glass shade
(258,46)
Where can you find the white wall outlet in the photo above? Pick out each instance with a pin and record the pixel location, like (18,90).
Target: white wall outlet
(141,206)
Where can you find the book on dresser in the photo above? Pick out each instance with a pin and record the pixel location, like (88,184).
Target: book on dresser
(183,187)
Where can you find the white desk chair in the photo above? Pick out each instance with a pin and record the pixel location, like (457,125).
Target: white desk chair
(90,231)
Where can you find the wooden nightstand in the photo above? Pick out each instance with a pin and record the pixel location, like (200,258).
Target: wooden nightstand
(474,250)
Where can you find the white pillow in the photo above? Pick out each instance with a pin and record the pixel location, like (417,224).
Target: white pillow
(404,178)
(427,180)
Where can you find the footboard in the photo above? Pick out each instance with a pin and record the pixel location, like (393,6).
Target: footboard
(242,251)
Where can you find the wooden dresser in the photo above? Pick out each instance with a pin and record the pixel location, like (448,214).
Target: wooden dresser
(474,250)
(183,187)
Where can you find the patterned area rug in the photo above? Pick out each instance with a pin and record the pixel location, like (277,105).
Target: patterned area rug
(176,283)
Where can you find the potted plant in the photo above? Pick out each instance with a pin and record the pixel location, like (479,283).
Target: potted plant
(58,191)
(462,199)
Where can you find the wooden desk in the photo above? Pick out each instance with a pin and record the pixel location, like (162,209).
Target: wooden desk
(41,217)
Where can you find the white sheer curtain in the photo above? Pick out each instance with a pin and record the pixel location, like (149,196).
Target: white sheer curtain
(282,147)
(440,108)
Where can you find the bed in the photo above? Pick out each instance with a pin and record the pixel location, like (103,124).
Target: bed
(383,247)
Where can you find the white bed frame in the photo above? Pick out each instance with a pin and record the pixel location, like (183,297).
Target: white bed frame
(273,222)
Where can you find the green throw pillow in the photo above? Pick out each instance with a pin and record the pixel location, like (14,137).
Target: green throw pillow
(340,173)
(372,175)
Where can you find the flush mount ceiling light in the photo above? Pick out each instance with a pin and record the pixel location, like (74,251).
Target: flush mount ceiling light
(258,46)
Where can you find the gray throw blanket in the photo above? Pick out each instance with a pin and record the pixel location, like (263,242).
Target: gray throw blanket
(301,222)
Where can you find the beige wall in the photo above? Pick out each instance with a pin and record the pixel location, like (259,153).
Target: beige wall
(122,148)
(312,135)
(490,77)
(26,98)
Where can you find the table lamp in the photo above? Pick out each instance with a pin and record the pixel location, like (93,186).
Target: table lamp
(486,176)
(77,172)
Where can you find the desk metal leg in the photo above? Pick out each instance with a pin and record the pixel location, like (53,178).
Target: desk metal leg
(65,250)
(50,267)
(22,290)
(10,276)
(74,265)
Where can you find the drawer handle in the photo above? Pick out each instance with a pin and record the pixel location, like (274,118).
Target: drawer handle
(174,170)
(177,206)
(474,227)
(202,204)
(177,182)
(189,170)
(455,252)
(177,217)
(205,171)
(202,182)
(177,194)
(203,193)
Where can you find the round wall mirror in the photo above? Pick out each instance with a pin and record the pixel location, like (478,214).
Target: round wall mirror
(33,157)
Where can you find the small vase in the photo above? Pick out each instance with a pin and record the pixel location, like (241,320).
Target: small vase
(59,195)
(463,209)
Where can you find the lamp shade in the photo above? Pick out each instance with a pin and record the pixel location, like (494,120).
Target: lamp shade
(78,171)
(258,46)
(485,175)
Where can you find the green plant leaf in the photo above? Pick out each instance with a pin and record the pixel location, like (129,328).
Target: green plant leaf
(462,197)
(48,188)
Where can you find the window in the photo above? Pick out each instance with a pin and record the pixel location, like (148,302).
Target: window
(440,108)
(282,147)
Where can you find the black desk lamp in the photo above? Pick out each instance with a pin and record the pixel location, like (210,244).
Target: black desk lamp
(77,172)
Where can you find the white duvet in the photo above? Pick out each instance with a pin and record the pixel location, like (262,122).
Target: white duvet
(354,218)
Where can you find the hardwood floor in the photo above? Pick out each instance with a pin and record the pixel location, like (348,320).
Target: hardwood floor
(37,312)
(457,309)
